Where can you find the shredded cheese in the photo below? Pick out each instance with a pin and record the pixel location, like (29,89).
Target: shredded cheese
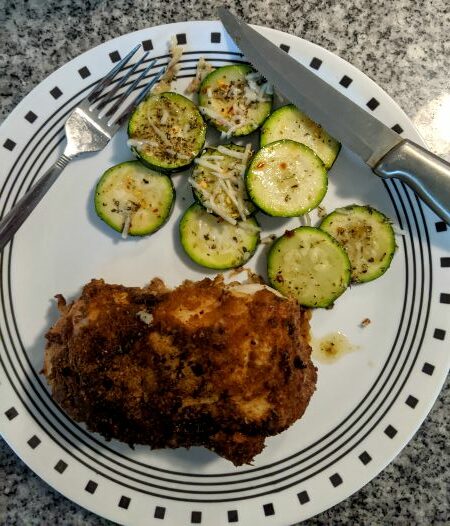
(141,143)
(160,133)
(126,225)
(203,69)
(173,66)
(231,153)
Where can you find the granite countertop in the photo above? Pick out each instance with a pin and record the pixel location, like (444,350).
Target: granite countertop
(402,44)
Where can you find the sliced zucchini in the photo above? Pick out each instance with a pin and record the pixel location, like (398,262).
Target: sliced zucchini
(218,181)
(235,99)
(288,122)
(166,131)
(286,178)
(134,199)
(214,243)
(309,265)
(367,236)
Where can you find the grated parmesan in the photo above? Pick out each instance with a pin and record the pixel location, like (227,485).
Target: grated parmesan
(203,69)
(126,225)
(173,66)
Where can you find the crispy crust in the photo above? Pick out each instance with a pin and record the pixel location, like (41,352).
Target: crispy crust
(199,365)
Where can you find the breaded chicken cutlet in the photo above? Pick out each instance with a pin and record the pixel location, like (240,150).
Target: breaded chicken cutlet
(206,364)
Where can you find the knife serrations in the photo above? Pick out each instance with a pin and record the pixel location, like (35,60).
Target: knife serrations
(342,118)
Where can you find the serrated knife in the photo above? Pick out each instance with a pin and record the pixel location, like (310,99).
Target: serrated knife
(384,150)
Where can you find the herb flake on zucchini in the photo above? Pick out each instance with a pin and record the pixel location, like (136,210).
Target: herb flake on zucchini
(286,179)
(218,181)
(288,122)
(235,99)
(310,266)
(214,243)
(134,199)
(367,236)
(166,131)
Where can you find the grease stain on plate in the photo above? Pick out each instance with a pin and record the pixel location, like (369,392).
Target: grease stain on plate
(331,347)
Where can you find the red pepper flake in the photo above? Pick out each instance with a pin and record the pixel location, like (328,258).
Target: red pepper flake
(289,233)
(365,322)
(260,165)
(283,166)
(155,210)
(279,278)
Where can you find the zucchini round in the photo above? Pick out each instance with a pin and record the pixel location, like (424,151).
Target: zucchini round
(286,179)
(233,99)
(134,199)
(214,243)
(310,266)
(218,181)
(288,122)
(367,236)
(166,132)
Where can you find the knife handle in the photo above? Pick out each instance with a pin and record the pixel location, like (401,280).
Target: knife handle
(427,174)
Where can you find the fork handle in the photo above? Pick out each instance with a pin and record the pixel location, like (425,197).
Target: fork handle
(23,208)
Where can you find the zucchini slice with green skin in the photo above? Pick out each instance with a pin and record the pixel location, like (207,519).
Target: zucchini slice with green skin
(166,132)
(310,266)
(233,99)
(288,122)
(214,243)
(218,181)
(367,236)
(134,199)
(286,179)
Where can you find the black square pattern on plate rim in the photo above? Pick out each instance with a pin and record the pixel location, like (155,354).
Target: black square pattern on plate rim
(390,431)
(124,502)
(84,72)
(445,262)
(441,226)
(181,39)
(373,104)
(268,509)
(411,401)
(147,45)
(196,517)
(60,466)
(285,47)
(365,458)
(428,368)
(215,37)
(30,117)
(114,56)
(233,516)
(439,334)
(11,413)
(91,487)
(397,128)
(444,297)
(34,441)
(303,497)
(9,145)
(336,480)
(160,512)
(55,92)
(315,63)
(345,81)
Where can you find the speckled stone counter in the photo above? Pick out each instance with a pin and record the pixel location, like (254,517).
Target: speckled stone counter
(403,45)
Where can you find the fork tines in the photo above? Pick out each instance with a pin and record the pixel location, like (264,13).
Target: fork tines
(98,99)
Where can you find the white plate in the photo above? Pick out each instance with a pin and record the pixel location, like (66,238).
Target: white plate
(367,405)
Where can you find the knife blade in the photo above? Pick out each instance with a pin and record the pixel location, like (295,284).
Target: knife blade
(384,150)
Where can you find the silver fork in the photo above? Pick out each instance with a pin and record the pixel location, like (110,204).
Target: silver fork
(89,128)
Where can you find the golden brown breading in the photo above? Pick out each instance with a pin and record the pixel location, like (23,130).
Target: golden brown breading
(205,364)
